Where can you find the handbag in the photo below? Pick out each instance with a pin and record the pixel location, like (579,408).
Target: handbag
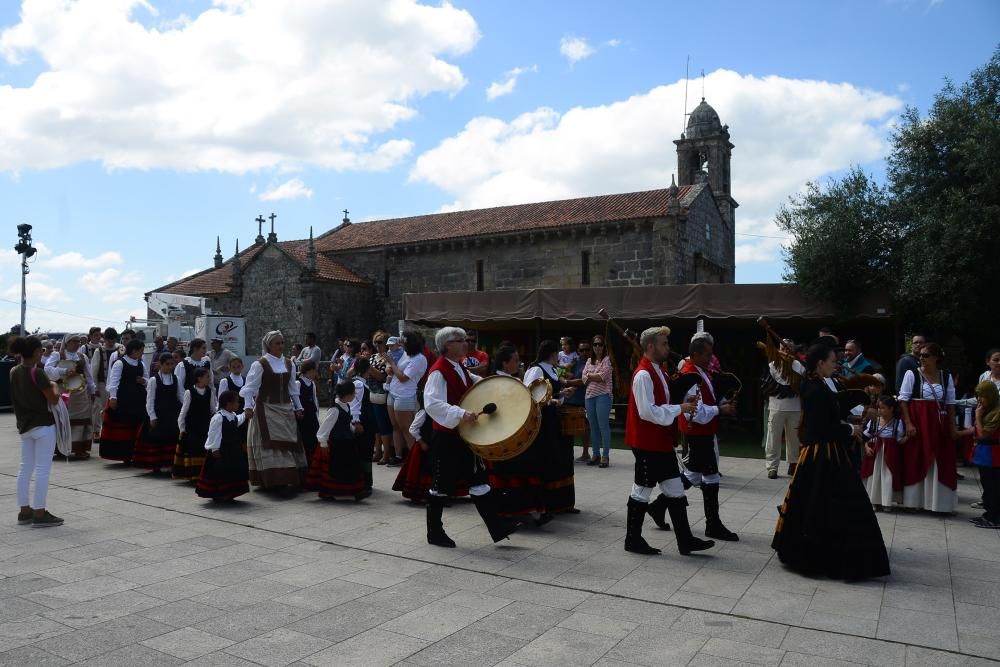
(59,411)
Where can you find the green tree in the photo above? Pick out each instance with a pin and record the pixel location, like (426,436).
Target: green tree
(842,234)
(931,236)
(944,177)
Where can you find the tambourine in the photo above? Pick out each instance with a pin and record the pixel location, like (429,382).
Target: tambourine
(541,391)
(75,384)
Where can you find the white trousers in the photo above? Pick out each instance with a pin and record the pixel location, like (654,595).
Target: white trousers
(37,447)
(778,423)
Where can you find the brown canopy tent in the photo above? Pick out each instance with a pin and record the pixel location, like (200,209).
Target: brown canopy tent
(709,301)
(729,312)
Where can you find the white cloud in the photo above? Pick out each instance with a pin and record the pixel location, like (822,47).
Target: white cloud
(613,43)
(244,85)
(786,131)
(506,87)
(113,286)
(292,189)
(75,260)
(575,49)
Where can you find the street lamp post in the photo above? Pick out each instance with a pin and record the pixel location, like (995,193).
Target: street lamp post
(25,249)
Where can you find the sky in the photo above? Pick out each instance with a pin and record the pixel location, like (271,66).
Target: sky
(134,132)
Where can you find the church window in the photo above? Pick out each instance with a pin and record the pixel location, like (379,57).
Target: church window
(708,231)
(585,267)
(479,275)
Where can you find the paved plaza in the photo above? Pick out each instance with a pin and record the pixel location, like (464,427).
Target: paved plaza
(145,573)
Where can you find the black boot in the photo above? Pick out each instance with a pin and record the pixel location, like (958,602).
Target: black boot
(500,528)
(435,529)
(791,469)
(713,524)
(686,542)
(633,529)
(658,511)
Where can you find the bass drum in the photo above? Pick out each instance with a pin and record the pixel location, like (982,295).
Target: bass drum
(510,429)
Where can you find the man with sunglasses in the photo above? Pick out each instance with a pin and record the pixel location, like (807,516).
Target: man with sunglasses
(910,361)
(476,360)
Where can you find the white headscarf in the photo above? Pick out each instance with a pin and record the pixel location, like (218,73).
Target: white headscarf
(268,337)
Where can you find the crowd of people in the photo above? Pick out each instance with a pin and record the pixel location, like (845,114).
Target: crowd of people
(395,401)
(909,438)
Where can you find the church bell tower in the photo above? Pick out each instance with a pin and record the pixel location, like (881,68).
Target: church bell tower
(703,155)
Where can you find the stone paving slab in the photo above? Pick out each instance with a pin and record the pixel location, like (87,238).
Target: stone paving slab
(145,573)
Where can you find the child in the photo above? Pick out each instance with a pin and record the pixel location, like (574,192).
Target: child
(196,412)
(155,449)
(987,453)
(197,358)
(309,424)
(225,473)
(234,382)
(568,355)
(335,471)
(363,417)
(881,467)
(126,412)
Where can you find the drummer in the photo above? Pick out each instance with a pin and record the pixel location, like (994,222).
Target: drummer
(69,367)
(452,458)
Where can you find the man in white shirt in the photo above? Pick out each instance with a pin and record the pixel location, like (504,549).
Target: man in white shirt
(311,352)
(784,410)
(452,458)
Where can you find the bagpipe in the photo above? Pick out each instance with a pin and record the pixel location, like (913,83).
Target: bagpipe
(726,386)
(851,392)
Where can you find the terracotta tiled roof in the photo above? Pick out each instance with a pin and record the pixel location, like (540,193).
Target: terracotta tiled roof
(506,219)
(219,281)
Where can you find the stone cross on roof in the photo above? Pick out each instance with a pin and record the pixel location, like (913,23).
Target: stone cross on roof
(272,237)
(260,228)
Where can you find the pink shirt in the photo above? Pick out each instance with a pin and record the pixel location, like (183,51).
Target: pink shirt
(602,373)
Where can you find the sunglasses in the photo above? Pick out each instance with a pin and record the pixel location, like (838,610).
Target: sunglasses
(598,344)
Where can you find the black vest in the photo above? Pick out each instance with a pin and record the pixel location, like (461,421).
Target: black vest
(131,394)
(309,406)
(342,429)
(165,403)
(231,434)
(199,412)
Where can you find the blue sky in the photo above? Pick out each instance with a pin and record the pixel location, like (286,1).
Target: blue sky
(135,132)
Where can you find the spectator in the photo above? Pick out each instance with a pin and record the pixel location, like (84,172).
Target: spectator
(405,376)
(220,358)
(367,350)
(342,366)
(992,367)
(296,351)
(394,350)
(911,360)
(567,355)
(476,360)
(575,402)
(379,397)
(32,393)
(597,378)
(856,362)
(311,352)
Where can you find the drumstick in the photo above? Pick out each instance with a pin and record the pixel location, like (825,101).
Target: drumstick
(488,409)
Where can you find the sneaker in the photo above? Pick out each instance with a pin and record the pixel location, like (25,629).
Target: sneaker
(25,517)
(772,474)
(983,522)
(978,505)
(394,462)
(46,520)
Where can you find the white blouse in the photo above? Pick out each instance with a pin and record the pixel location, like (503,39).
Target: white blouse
(214,440)
(231,383)
(418,422)
(930,391)
(329,421)
(181,372)
(115,375)
(212,404)
(256,375)
(893,429)
(157,380)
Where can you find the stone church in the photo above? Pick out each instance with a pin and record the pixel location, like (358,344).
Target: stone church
(351,279)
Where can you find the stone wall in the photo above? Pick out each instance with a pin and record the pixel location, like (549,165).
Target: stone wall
(658,251)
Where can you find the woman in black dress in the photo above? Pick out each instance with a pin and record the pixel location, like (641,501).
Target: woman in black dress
(827,525)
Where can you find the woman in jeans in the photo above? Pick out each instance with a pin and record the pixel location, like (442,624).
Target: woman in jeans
(32,394)
(597,380)
(404,377)
(379,397)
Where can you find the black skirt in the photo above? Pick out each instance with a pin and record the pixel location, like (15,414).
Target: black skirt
(557,463)
(827,525)
(225,477)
